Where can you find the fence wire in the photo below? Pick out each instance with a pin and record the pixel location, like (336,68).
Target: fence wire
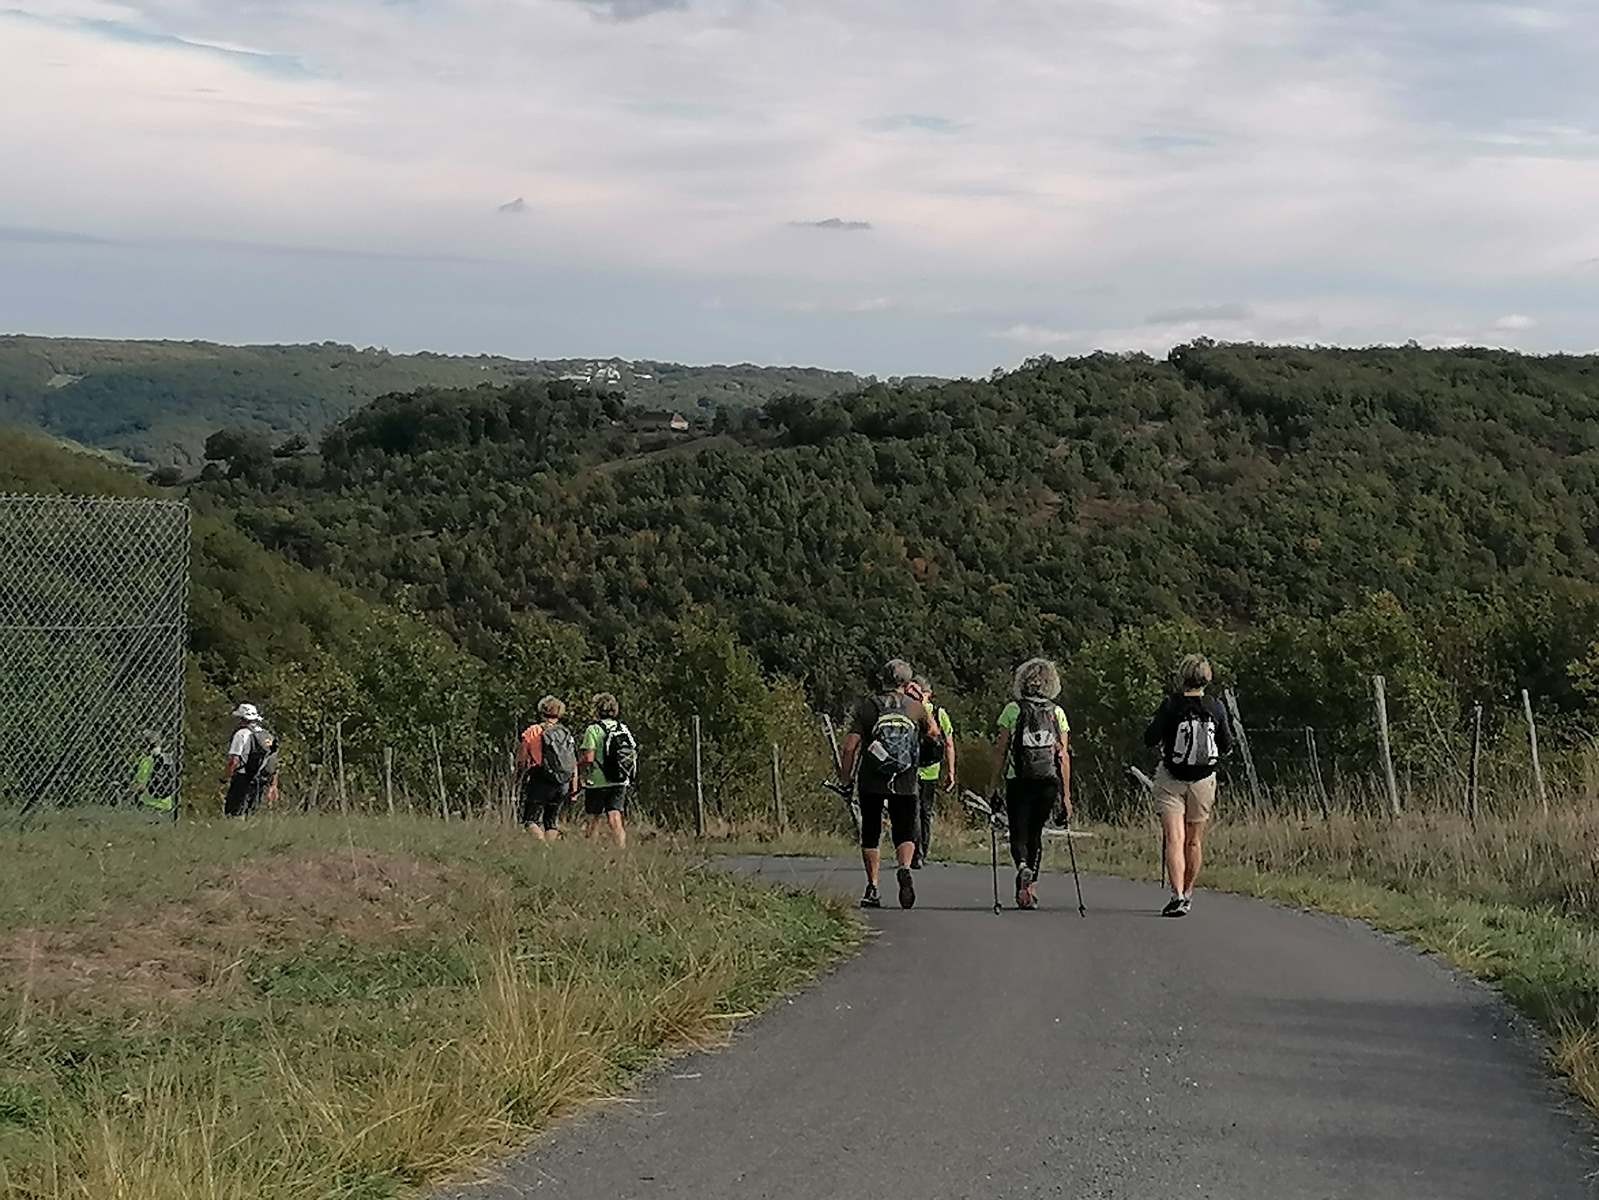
(94,600)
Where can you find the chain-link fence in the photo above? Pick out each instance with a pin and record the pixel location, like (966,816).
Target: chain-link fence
(94,598)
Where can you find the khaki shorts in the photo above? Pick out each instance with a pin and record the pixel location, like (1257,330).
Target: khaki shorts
(1193,800)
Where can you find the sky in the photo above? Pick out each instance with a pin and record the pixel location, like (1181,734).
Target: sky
(893,186)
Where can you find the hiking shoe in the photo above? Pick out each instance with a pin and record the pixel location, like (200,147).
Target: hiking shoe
(1175,907)
(871,899)
(918,862)
(907,888)
(1024,889)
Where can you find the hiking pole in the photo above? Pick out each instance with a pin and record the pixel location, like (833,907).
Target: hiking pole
(993,850)
(1071,846)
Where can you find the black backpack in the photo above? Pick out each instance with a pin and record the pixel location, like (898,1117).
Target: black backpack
(557,756)
(619,758)
(261,763)
(1194,742)
(894,746)
(1035,741)
(932,749)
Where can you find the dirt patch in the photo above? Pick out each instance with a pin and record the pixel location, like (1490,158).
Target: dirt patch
(188,947)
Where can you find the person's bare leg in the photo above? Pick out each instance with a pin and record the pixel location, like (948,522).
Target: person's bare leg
(904,852)
(1193,854)
(1171,822)
(591,827)
(615,820)
(870,859)
(536,830)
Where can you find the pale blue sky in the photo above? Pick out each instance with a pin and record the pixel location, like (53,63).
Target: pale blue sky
(902,186)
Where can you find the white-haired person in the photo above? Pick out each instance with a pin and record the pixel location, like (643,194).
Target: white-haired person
(1032,756)
(1192,733)
(251,771)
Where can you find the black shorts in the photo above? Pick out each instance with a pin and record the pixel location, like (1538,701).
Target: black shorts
(901,816)
(541,802)
(597,801)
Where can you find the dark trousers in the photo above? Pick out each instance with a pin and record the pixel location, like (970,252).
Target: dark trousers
(926,802)
(1028,803)
(243,798)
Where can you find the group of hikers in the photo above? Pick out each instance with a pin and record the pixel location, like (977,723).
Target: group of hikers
(900,745)
(898,754)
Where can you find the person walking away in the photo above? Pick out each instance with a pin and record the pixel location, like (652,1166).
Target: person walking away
(1192,733)
(546,763)
(938,759)
(152,782)
(607,762)
(251,772)
(882,754)
(1033,756)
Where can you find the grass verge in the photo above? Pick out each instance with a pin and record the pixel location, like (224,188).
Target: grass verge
(1510,901)
(333,1008)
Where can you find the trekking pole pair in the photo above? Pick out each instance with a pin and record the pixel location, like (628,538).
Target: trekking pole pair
(997,821)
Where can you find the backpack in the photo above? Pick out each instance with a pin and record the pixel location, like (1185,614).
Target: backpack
(619,757)
(1194,742)
(261,763)
(558,757)
(895,744)
(1035,740)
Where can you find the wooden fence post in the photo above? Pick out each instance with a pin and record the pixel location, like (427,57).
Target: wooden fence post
(338,749)
(438,769)
(1476,758)
(1384,745)
(777,792)
(388,777)
(1256,798)
(1532,740)
(1315,773)
(699,783)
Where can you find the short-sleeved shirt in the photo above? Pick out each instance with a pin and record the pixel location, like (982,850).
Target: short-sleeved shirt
(594,743)
(932,770)
(1008,717)
(239,747)
(865,721)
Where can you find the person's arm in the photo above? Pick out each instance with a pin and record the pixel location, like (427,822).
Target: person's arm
(1064,759)
(847,755)
(1155,735)
(949,760)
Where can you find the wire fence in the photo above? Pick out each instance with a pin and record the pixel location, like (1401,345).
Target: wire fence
(93,628)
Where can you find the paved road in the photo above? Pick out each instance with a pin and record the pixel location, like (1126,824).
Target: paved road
(1245,1052)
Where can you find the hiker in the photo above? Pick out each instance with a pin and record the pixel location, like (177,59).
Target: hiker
(937,758)
(1192,733)
(607,764)
(152,781)
(884,743)
(251,774)
(546,766)
(1032,756)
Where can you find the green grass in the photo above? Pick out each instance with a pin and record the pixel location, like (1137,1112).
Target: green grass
(329,1008)
(1511,900)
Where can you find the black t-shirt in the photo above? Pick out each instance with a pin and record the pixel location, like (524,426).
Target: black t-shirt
(865,721)
(1162,732)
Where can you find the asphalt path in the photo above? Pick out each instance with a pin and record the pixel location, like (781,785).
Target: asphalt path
(1247,1051)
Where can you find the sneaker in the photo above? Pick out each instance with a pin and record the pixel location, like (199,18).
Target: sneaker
(1175,907)
(871,899)
(1024,889)
(918,862)
(1188,907)
(907,888)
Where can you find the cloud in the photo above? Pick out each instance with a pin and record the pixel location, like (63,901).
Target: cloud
(1199,312)
(912,122)
(837,224)
(631,10)
(519,205)
(47,237)
(1515,323)
(116,29)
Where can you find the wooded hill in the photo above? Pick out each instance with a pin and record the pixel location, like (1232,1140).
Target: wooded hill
(1308,517)
(157,402)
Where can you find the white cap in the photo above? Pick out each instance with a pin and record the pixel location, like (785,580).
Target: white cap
(247,712)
